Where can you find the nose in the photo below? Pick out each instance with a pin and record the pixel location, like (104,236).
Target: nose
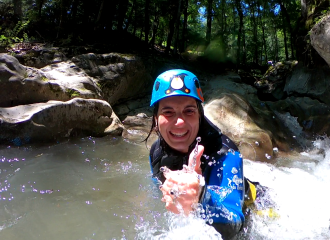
(179,121)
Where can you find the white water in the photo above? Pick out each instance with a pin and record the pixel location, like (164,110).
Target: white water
(101,189)
(300,188)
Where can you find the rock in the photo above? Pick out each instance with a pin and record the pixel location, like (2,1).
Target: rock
(313,83)
(311,114)
(37,55)
(121,76)
(11,69)
(56,120)
(62,81)
(140,119)
(133,107)
(320,38)
(137,128)
(256,135)
(270,86)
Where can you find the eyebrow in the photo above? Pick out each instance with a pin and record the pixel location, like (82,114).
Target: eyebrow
(188,106)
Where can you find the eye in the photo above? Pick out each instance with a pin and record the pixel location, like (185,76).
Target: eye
(190,111)
(167,113)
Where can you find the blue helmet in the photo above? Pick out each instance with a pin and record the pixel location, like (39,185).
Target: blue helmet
(176,82)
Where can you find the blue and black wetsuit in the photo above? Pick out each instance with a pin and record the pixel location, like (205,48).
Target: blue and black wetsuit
(222,168)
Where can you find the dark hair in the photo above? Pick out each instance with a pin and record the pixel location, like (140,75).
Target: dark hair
(154,126)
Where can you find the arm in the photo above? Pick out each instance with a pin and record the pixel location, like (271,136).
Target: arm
(224,194)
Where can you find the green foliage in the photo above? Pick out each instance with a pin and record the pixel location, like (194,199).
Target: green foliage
(324,13)
(72,93)
(264,32)
(15,35)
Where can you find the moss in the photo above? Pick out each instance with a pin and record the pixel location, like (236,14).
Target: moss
(44,79)
(72,93)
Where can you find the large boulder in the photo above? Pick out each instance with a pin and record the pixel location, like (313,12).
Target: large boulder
(11,69)
(26,85)
(312,115)
(121,76)
(56,120)
(320,38)
(255,127)
(313,83)
(256,135)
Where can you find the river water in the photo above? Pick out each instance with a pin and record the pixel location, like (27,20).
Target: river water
(100,188)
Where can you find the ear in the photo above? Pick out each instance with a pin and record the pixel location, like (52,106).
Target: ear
(156,122)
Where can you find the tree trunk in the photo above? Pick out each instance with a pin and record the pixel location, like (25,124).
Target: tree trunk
(74,7)
(285,42)
(255,33)
(63,17)
(99,15)
(240,14)
(173,17)
(244,48)
(209,21)
(18,9)
(122,9)
(183,45)
(154,29)
(146,22)
(276,46)
(264,42)
(110,14)
(39,3)
(177,29)
(130,16)
(287,20)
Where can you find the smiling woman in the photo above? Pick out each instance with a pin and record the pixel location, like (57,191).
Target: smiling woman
(199,169)
(178,121)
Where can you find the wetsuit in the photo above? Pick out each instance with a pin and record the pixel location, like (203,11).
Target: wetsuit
(222,168)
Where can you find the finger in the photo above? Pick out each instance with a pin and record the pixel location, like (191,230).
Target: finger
(166,171)
(199,154)
(171,206)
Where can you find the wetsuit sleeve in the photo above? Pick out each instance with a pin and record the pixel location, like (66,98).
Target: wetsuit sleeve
(223,195)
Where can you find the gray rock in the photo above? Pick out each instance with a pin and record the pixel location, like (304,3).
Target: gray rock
(62,81)
(313,83)
(320,38)
(11,69)
(56,120)
(121,76)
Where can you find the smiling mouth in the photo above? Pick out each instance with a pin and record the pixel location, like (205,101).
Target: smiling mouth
(179,134)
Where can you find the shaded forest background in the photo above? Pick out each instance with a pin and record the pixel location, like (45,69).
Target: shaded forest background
(235,32)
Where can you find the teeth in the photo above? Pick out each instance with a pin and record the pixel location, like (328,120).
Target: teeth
(179,134)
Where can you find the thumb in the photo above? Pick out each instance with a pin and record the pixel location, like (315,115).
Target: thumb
(199,154)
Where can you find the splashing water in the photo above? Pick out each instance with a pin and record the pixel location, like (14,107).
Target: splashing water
(189,228)
(301,194)
(107,193)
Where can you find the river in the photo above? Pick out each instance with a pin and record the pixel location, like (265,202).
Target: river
(100,188)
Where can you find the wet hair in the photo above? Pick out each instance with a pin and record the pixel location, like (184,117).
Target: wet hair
(154,126)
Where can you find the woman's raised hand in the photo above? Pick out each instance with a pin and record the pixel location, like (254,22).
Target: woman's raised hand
(181,188)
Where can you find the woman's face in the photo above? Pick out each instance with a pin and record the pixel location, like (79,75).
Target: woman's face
(178,121)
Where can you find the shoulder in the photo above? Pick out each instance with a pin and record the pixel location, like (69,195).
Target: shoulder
(155,150)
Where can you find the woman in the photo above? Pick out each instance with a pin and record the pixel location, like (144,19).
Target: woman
(187,137)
